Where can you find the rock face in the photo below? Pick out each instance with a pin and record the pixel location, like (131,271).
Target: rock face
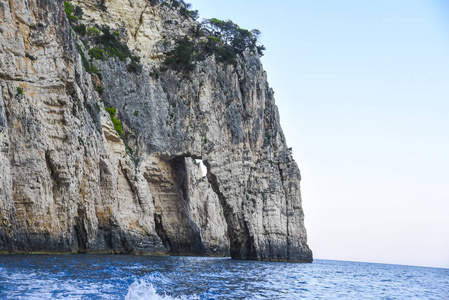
(69,182)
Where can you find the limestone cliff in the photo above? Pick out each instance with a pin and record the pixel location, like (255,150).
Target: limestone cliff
(77,178)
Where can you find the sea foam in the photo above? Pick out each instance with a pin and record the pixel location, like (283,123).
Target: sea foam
(143,289)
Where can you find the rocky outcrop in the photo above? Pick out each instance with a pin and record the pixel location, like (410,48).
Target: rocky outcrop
(71,181)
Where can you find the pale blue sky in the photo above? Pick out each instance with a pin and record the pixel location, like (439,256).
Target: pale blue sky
(363,92)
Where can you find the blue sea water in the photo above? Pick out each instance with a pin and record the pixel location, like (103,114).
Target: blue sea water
(161,277)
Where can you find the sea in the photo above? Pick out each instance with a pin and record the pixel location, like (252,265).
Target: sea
(174,277)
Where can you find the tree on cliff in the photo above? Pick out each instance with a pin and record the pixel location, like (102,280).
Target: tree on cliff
(224,39)
(233,35)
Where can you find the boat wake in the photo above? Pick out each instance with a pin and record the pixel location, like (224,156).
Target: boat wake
(142,288)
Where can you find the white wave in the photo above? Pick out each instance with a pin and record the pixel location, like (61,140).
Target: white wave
(143,289)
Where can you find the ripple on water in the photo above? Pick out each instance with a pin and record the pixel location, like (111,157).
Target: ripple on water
(137,277)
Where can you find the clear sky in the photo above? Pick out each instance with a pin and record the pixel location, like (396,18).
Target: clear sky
(363,93)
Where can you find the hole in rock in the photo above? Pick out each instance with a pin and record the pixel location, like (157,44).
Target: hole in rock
(185,208)
(199,162)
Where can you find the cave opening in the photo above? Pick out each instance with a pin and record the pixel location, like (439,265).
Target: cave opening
(241,244)
(189,215)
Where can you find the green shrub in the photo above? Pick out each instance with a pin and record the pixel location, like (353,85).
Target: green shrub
(117,124)
(134,65)
(93,31)
(112,44)
(94,69)
(68,7)
(175,3)
(193,14)
(112,47)
(210,45)
(260,49)
(78,12)
(80,29)
(89,67)
(111,110)
(98,53)
(86,63)
(199,56)
(129,150)
(241,40)
(185,12)
(136,113)
(226,53)
(197,31)
(19,91)
(180,59)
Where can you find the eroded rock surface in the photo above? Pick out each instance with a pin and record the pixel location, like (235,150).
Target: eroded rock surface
(70,183)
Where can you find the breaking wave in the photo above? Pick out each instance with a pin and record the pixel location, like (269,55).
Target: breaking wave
(142,288)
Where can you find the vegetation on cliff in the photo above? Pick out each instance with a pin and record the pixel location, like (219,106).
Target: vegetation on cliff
(224,39)
(107,43)
(117,124)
